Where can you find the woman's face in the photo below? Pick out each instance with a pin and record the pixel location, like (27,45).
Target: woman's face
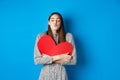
(54,22)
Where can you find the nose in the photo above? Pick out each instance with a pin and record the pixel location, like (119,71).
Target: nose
(55,22)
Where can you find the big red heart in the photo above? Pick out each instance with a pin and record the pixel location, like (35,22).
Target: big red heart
(46,45)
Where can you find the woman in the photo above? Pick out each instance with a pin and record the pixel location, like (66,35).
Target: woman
(53,68)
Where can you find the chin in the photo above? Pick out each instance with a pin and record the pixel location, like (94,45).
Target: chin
(56,28)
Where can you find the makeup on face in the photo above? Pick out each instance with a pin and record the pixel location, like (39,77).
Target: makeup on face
(55,22)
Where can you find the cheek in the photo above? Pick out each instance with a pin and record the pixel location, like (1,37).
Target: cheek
(58,27)
(51,23)
(59,23)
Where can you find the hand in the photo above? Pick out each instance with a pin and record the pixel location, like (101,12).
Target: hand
(64,58)
(45,55)
(65,55)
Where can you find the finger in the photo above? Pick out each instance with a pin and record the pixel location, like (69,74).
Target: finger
(67,53)
(67,60)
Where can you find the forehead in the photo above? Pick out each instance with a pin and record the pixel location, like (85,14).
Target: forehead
(55,16)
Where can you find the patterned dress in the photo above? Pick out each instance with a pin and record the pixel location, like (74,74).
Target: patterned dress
(50,70)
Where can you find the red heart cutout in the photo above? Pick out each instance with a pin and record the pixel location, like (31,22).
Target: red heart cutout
(47,46)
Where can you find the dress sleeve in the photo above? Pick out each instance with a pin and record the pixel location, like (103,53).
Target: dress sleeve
(70,39)
(38,58)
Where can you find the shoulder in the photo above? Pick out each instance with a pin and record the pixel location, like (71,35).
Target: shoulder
(69,37)
(39,35)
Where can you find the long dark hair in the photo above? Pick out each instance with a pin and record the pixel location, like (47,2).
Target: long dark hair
(60,31)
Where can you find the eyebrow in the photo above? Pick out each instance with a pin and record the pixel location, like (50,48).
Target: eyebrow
(54,18)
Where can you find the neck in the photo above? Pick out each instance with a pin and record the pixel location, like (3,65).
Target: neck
(54,32)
